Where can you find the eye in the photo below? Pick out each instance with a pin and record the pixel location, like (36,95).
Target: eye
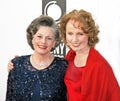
(49,38)
(39,36)
(70,33)
(80,33)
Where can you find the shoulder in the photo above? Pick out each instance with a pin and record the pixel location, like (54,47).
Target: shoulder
(104,67)
(70,55)
(99,57)
(20,58)
(98,60)
(61,61)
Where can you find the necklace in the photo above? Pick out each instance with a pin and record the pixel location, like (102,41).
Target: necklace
(40,65)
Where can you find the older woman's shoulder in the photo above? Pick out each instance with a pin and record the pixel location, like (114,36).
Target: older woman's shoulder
(60,60)
(20,58)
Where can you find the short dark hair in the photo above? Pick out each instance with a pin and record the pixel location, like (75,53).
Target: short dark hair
(42,21)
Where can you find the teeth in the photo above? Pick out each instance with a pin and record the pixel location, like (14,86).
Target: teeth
(75,44)
(43,46)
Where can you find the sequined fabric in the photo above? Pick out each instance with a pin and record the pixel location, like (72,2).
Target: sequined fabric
(22,81)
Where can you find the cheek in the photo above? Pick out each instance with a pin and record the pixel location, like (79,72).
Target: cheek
(33,42)
(85,40)
(53,44)
(68,38)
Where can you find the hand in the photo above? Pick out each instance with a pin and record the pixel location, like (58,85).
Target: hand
(10,64)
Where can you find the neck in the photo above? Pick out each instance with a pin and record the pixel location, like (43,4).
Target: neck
(81,58)
(41,58)
(83,52)
(41,62)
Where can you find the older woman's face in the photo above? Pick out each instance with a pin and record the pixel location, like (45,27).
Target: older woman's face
(44,40)
(76,39)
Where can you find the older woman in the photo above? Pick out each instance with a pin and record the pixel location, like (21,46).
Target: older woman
(40,76)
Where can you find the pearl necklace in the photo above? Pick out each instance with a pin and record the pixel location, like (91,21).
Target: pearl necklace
(40,65)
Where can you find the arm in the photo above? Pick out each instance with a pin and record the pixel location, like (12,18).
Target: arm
(9,92)
(114,87)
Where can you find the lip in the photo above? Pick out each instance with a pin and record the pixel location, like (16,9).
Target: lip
(42,46)
(75,44)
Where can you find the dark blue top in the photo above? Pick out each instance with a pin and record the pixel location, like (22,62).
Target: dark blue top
(25,83)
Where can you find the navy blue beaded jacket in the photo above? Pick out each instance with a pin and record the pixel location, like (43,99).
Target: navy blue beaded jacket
(23,78)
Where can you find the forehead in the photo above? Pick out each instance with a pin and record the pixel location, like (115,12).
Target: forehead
(45,30)
(75,23)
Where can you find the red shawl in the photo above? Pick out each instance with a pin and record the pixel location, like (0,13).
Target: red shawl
(98,80)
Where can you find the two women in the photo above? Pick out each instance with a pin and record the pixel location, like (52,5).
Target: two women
(89,77)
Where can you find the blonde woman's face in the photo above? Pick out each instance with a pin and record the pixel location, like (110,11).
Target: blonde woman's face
(76,39)
(44,40)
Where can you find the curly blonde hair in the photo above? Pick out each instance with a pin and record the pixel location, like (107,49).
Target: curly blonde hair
(86,22)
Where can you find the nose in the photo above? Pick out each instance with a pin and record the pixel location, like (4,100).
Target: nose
(74,37)
(43,40)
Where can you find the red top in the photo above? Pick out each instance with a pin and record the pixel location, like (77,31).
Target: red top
(73,80)
(93,82)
